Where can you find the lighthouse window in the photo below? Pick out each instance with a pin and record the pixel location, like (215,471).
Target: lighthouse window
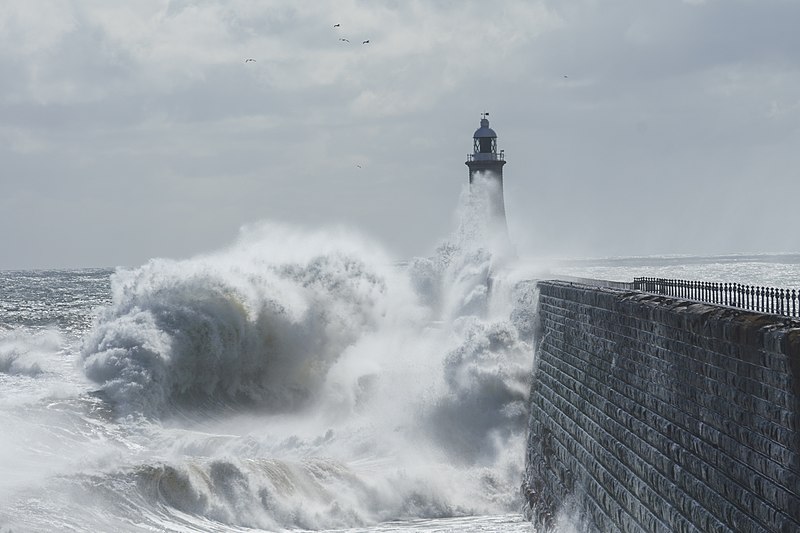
(486,145)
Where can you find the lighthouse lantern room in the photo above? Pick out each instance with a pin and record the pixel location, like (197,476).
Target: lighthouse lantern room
(487,163)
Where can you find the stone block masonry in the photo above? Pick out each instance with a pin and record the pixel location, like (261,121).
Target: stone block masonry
(651,413)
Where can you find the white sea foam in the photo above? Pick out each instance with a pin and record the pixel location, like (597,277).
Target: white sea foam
(300,379)
(294,380)
(258,324)
(27,352)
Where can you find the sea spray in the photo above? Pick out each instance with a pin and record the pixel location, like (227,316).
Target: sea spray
(26,352)
(483,403)
(303,379)
(253,325)
(364,450)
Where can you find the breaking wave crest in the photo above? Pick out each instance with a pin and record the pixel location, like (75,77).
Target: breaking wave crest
(252,325)
(326,386)
(270,494)
(25,352)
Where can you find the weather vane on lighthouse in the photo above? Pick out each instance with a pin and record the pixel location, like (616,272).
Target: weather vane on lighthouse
(486,178)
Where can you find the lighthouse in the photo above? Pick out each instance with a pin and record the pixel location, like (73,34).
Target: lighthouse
(486,183)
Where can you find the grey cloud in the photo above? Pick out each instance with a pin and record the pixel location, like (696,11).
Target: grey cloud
(135,131)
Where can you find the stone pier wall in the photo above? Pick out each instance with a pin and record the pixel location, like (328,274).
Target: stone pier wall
(650,413)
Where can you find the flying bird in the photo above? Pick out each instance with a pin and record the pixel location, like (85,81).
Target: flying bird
(336,25)
(249,60)
(365,42)
(343,39)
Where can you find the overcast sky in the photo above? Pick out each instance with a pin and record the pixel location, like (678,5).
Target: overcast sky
(132,130)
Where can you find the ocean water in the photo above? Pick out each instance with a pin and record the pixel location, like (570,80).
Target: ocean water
(294,381)
(767,270)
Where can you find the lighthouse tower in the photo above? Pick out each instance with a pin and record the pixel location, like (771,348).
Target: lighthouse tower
(486,181)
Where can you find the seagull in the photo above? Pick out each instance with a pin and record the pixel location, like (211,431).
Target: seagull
(566,76)
(359,166)
(343,39)
(336,25)
(365,42)
(249,60)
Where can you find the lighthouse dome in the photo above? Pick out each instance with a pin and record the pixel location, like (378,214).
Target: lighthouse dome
(484,131)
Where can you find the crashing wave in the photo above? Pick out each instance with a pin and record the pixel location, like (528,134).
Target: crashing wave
(24,352)
(363,391)
(244,326)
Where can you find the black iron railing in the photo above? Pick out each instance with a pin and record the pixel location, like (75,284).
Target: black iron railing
(751,297)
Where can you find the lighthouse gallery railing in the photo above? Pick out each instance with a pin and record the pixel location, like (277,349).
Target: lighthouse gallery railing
(749,297)
(487,156)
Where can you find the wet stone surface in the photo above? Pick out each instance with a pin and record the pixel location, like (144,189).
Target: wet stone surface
(650,413)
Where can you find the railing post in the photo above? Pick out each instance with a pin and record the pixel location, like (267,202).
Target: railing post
(782,300)
(774,300)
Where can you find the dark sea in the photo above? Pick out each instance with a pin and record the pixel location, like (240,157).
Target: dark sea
(294,381)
